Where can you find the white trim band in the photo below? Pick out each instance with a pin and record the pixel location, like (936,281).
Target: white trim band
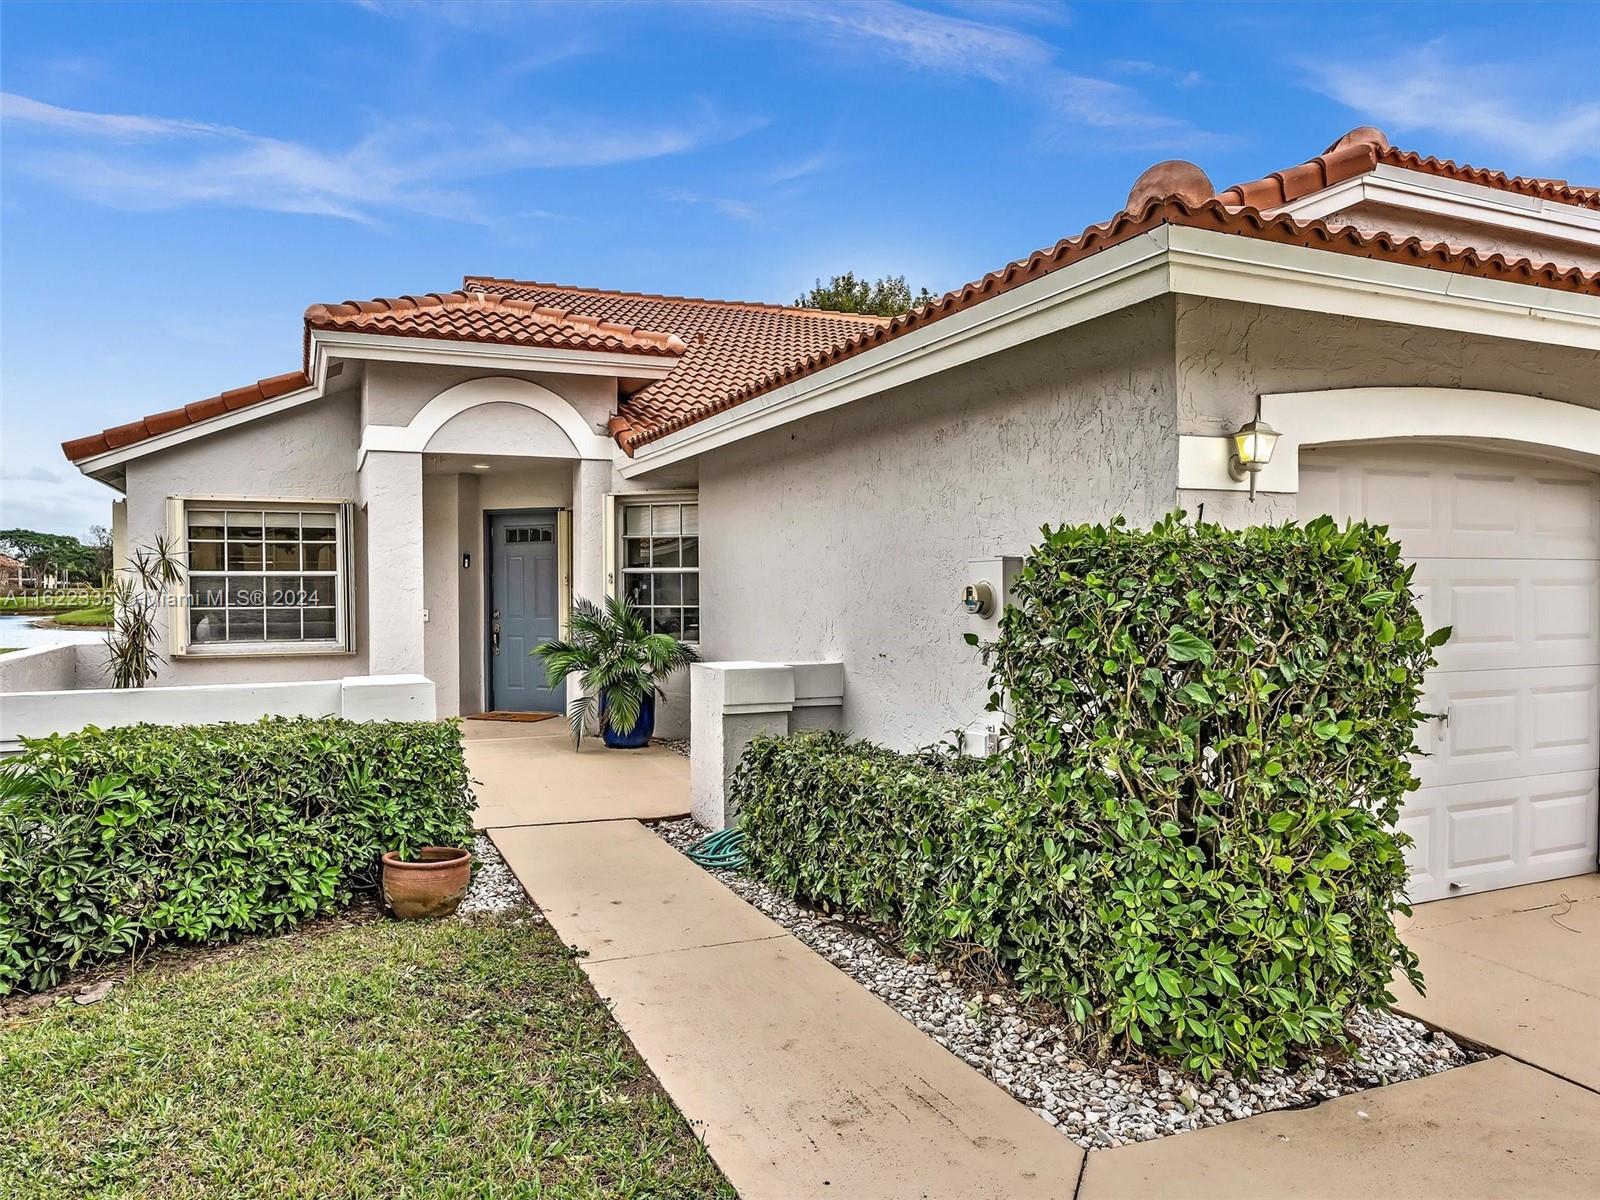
(1341,416)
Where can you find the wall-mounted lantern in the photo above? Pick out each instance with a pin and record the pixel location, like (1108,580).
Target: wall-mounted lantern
(1253,444)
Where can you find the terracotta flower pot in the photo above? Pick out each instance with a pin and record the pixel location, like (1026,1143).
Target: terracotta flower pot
(431,885)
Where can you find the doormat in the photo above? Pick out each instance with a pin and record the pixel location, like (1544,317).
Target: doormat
(512,716)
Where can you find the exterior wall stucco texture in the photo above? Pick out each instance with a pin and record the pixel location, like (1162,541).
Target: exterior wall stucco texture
(1228,353)
(847,535)
(305,453)
(393,393)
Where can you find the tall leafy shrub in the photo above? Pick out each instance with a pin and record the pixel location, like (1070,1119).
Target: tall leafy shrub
(111,839)
(1189,842)
(1223,720)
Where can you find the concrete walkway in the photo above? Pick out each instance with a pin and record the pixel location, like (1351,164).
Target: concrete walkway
(1518,970)
(1494,1130)
(529,774)
(804,1084)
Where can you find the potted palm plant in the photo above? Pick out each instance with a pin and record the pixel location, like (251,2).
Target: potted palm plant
(621,665)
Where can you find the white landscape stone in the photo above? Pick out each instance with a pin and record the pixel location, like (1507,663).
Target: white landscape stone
(494,888)
(1040,1063)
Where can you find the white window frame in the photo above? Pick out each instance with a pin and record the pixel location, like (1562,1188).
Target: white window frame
(342,643)
(616,550)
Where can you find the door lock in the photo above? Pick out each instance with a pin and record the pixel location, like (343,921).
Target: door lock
(494,631)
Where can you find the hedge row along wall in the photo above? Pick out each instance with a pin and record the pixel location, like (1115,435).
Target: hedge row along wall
(114,839)
(1189,843)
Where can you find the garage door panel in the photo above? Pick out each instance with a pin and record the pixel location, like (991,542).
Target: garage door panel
(1507,552)
(1500,833)
(1565,510)
(1420,823)
(1510,614)
(1458,503)
(1502,724)
(1561,826)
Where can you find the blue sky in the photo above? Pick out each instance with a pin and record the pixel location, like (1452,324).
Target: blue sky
(178,182)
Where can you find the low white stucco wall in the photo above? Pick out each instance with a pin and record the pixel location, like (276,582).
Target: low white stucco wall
(53,668)
(362,698)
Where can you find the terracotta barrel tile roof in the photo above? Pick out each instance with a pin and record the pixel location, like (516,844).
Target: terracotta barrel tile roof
(1215,215)
(1282,187)
(483,316)
(731,344)
(165,422)
(731,351)
(1362,149)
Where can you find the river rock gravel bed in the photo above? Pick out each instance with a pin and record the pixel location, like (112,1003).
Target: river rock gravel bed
(494,888)
(1041,1061)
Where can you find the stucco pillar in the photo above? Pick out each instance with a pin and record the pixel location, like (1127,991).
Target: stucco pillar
(391,492)
(732,702)
(441,597)
(590,479)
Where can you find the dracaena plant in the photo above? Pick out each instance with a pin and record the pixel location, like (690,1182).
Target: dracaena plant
(137,600)
(619,661)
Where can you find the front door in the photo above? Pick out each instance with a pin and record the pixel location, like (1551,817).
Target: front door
(523,611)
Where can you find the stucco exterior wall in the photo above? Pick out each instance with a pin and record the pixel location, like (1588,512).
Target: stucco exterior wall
(1229,353)
(847,535)
(393,393)
(501,429)
(469,596)
(441,563)
(303,454)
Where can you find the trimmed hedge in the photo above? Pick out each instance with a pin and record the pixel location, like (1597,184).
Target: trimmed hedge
(852,827)
(112,839)
(1189,843)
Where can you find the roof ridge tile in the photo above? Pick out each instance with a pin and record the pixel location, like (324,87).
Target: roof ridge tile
(755,305)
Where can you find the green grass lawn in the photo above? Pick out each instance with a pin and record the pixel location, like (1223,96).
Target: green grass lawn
(447,1059)
(95,617)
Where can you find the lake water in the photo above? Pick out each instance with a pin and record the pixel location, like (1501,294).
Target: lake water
(21,633)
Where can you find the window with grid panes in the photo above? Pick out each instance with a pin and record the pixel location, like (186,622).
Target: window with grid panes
(661,564)
(265,576)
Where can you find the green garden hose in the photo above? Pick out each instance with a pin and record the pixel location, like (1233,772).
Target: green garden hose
(723,849)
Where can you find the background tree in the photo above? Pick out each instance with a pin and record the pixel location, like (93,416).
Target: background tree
(100,543)
(50,553)
(886,297)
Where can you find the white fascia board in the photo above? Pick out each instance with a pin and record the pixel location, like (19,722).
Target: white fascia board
(441,352)
(1229,267)
(325,346)
(111,459)
(1189,261)
(1453,199)
(1116,278)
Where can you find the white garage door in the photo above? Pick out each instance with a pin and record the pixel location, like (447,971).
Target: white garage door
(1508,553)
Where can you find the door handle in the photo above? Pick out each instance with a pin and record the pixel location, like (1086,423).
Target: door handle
(494,631)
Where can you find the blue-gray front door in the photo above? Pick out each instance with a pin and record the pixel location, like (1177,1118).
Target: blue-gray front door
(523,599)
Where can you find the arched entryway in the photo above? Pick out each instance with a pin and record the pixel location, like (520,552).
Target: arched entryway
(1507,547)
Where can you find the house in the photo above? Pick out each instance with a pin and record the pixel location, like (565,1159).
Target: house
(443,473)
(13,572)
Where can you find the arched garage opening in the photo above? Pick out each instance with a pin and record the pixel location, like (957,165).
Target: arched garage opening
(1504,529)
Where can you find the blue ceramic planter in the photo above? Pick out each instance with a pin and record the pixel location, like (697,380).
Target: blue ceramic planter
(636,737)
